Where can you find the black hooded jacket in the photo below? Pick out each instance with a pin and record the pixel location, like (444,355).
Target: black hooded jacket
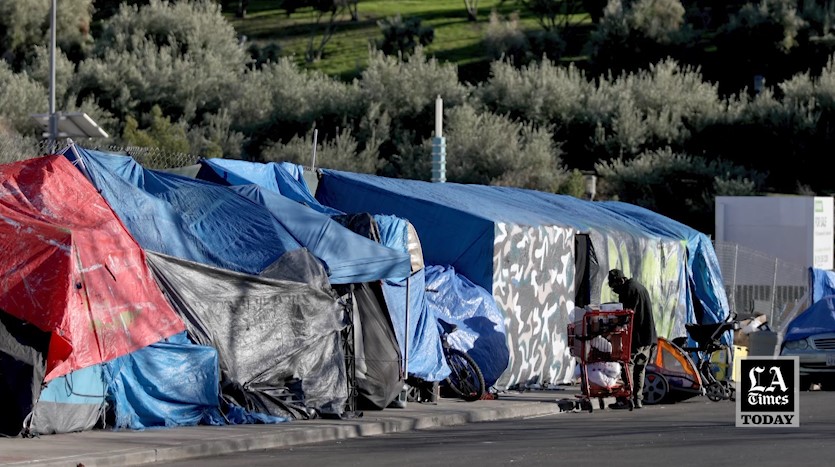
(635,297)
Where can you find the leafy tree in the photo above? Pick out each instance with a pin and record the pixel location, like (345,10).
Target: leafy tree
(25,24)
(216,136)
(472,10)
(595,9)
(339,153)
(160,133)
(677,185)
(405,90)
(758,40)
(327,12)
(506,40)
(37,67)
(554,14)
(20,96)
(183,56)
(280,101)
(491,149)
(401,36)
(634,34)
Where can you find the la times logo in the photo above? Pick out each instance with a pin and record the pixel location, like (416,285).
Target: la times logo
(768,392)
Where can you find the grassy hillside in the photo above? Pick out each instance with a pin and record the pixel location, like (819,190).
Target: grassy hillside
(456,39)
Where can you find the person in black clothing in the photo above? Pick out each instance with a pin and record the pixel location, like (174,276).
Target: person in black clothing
(634,296)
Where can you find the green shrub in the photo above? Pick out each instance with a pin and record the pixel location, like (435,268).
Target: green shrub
(489,149)
(405,90)
(677,185)
(20,96)
(633,35)
(182,56)
(339,153)
(26,24)
(401,36)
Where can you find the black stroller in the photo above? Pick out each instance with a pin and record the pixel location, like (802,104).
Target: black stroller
(708,338)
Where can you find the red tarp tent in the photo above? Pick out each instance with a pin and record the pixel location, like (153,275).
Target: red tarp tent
(69,267)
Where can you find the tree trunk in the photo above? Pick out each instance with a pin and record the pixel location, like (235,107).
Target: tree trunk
(242,6)
(472,10)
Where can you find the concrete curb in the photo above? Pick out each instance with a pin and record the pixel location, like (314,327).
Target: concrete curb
(122,449)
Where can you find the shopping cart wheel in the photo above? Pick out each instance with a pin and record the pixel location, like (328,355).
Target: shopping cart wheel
(656,388)
(716,392)
(601,403)
(586,404)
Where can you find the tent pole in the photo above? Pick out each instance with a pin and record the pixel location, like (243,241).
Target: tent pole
(406,335)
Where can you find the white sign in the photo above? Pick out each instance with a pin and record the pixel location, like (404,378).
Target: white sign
(822,240)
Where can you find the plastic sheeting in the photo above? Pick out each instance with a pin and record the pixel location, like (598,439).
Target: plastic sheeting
(349,257)
(71,268)
(23,349)
(434,208)
(704,274)
(818,318)
(481,329)
(377,358)
(246,228)
(279,177)
(169,383)
(274,338)
(425,355)
(69,403)
(822,283)
(190,219)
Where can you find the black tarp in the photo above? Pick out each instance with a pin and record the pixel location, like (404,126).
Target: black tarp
(377,354)
(23,349)
(586,267)
(278,342)
(378,357)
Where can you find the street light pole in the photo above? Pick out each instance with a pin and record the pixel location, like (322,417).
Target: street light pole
(53,118)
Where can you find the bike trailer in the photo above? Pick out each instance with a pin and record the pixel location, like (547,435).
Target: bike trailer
(671,375)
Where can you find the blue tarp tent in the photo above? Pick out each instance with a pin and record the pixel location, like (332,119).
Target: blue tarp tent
(350,258)
(173,382)
(702,264)
(269,183)
(279,177)
(520,245)
(818,318)
(822,283)
(481,330)
(248,230)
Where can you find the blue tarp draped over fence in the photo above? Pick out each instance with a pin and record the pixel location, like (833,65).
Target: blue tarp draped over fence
(822,283)
(818,318)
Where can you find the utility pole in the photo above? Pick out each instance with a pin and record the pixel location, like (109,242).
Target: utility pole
(439,145)
(53,117)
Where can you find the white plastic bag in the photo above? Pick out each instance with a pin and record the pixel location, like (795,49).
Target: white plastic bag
(605,374)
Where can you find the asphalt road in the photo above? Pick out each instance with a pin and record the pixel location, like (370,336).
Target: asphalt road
(695,432)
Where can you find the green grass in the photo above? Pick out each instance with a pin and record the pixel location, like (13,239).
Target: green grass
(456,39)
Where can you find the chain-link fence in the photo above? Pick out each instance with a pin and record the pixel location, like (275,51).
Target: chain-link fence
(18,148)
(758,282)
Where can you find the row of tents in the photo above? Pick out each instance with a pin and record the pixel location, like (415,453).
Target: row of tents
(237,292)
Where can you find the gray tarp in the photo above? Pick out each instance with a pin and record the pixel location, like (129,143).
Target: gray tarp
(271,336)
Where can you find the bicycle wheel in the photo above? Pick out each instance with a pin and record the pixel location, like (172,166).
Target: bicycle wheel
(466,379)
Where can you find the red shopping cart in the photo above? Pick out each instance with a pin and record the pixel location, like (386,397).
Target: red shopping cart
(601,341)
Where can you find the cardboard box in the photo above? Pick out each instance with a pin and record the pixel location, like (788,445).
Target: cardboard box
(746,327)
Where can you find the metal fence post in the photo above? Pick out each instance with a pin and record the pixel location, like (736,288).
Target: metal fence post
(773,292)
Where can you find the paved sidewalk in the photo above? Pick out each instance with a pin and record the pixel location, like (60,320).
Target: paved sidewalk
(111,448)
